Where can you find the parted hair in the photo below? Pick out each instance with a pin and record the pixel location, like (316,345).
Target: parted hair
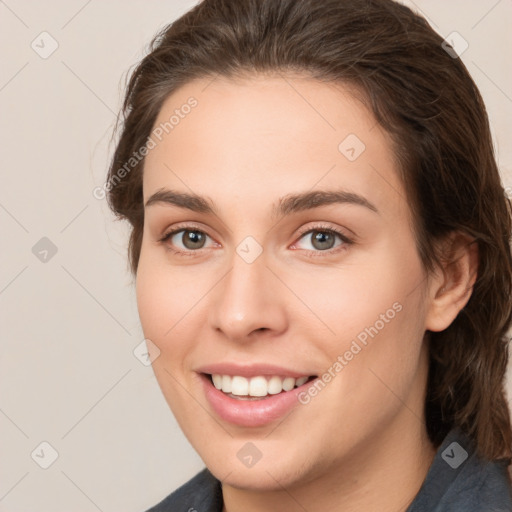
(423,96)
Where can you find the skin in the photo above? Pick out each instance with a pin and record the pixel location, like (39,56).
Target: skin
(361,443)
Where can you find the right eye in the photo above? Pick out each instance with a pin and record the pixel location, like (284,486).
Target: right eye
(185,240)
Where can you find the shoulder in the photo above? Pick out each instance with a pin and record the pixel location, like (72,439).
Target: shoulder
(459,480)
(202,493)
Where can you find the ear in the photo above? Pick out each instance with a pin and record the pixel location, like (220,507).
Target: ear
(451,286)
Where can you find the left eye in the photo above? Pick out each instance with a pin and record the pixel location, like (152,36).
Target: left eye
(323,239)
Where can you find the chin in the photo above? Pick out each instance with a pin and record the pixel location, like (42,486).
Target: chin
(281,464)
(263,477)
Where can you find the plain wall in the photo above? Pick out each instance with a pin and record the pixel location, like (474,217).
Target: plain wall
(69,325)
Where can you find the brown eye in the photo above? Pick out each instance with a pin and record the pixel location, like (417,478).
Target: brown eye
(322,240)
(193,239)
(183,240)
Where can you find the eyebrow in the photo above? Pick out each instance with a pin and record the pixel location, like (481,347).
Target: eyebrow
(286,205)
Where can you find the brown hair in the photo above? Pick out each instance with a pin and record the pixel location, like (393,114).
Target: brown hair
(424,97)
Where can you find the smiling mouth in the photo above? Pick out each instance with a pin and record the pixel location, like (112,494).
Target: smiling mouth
(258,387)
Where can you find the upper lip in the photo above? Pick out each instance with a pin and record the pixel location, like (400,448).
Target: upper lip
(251,370)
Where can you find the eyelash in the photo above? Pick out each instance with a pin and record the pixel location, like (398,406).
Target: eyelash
(322,228)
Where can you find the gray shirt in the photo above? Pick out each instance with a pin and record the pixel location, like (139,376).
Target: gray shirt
(457,481)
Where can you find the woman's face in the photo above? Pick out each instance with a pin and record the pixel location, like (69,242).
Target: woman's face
(292,259)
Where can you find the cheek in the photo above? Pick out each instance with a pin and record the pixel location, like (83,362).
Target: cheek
(166,296)
(156,301)
(380,333)
(372,314)
(345,299)
(168,305)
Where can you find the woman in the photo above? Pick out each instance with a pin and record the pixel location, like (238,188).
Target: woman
(320,241)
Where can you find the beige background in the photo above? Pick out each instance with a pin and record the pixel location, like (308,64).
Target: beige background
(69,325)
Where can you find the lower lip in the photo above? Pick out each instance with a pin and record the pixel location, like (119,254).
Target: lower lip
(251,413)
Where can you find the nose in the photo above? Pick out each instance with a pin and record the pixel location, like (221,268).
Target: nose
(247,300)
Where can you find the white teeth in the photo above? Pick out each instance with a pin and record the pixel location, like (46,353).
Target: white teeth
(275,386)
(288,383)
(239,386)
(226,384)
(256,386)
(217,381)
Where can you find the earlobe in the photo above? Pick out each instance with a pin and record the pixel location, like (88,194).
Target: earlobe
(451,288)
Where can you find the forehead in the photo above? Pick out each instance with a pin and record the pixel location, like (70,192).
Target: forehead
(270,135)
